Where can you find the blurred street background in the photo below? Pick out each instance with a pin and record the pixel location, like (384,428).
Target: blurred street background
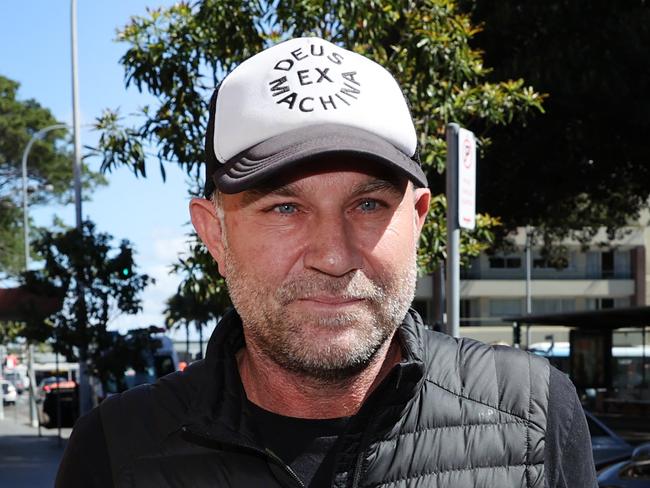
(27,459)
(103,114)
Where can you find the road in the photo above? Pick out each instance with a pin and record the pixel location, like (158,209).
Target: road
(27,460)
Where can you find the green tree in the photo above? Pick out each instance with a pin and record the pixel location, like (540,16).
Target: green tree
(49,169)
(181,53)
(201,296)
(85,270)
(584,164)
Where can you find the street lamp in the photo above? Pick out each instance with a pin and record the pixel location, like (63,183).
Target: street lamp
(28,148)
(76,132)
(82,377)
(32,379)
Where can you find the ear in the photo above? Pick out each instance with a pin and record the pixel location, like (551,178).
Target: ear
(208,227)
(422,198)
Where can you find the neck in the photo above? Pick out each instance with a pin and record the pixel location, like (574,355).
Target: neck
(288,393)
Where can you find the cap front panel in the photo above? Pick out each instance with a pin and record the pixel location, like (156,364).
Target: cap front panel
(305,82)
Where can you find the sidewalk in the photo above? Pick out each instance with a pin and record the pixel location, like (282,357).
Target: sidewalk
(27,460)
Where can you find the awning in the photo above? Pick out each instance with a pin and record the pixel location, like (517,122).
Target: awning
(18,304)
(611,318)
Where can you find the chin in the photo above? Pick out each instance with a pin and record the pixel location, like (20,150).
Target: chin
(328,352)
(329,364)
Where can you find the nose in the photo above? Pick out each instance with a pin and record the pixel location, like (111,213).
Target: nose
(331,249)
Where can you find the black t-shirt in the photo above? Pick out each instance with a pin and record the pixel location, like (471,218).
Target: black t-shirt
(308,446)
(309,450)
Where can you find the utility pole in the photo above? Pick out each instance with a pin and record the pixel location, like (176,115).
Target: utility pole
(32,396)
(33,415)
(2,393)
(84,385)
(529,299)
(76,122)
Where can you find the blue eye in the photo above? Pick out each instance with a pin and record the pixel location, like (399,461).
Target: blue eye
(368,205)
(285,208)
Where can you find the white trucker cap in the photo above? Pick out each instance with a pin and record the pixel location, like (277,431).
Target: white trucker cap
(301,100)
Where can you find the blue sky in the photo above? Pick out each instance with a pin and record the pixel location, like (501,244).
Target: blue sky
(35,40)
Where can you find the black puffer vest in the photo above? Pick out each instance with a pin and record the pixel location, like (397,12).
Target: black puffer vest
(453,413)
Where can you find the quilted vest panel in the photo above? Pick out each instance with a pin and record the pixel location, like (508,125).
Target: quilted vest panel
(479,421)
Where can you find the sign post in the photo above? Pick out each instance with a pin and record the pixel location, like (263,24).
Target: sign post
(461,212)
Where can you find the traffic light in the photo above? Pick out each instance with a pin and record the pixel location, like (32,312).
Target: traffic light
(123,263)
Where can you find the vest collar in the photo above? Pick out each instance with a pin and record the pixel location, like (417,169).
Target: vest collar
(224,407)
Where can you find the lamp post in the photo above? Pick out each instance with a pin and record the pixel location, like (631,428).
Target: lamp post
(32,379)
(76,119)
(83,380)
(85,400)
(28,148)
(529,293)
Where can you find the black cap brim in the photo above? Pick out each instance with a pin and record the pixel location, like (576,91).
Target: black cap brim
(297,147)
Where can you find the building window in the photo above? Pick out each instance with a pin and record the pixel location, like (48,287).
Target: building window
(593,265)
(505,262)
(553,305)
(622,302)
(607,264)
(603,303)
(505,307)
(606,303)
(543,263)
(622,265)
(465,308)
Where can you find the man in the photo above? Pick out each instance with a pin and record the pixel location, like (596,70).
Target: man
(321,375)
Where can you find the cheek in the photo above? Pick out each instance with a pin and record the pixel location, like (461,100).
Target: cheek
(397,243)
(267,257)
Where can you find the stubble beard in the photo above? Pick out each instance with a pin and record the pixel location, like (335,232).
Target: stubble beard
(282,333)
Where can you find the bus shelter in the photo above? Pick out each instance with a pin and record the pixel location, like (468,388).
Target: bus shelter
(600,357)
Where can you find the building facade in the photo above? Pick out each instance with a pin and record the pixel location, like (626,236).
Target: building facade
(604,274)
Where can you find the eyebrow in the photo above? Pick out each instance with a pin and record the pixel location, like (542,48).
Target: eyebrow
(377,184)
(293,190)
(289,190)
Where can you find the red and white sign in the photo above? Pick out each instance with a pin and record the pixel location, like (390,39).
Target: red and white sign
(11,361)
(466,179)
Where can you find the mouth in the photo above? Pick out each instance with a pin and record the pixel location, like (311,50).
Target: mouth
(330,301)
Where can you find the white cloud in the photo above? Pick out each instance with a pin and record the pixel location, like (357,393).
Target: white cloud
(167,245)
(155,259)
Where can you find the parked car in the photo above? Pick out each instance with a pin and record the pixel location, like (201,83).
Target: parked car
(53,382)
(9,393)
(633,473)
(60,406)
(20,381)
(607,446)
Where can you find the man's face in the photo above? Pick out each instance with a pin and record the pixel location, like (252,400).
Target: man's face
(321,268)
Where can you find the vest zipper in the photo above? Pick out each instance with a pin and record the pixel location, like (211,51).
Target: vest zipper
(362,449)
(284,466)
(356,478)
(211,442)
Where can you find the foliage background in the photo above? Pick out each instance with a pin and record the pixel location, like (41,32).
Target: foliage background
(49,170)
